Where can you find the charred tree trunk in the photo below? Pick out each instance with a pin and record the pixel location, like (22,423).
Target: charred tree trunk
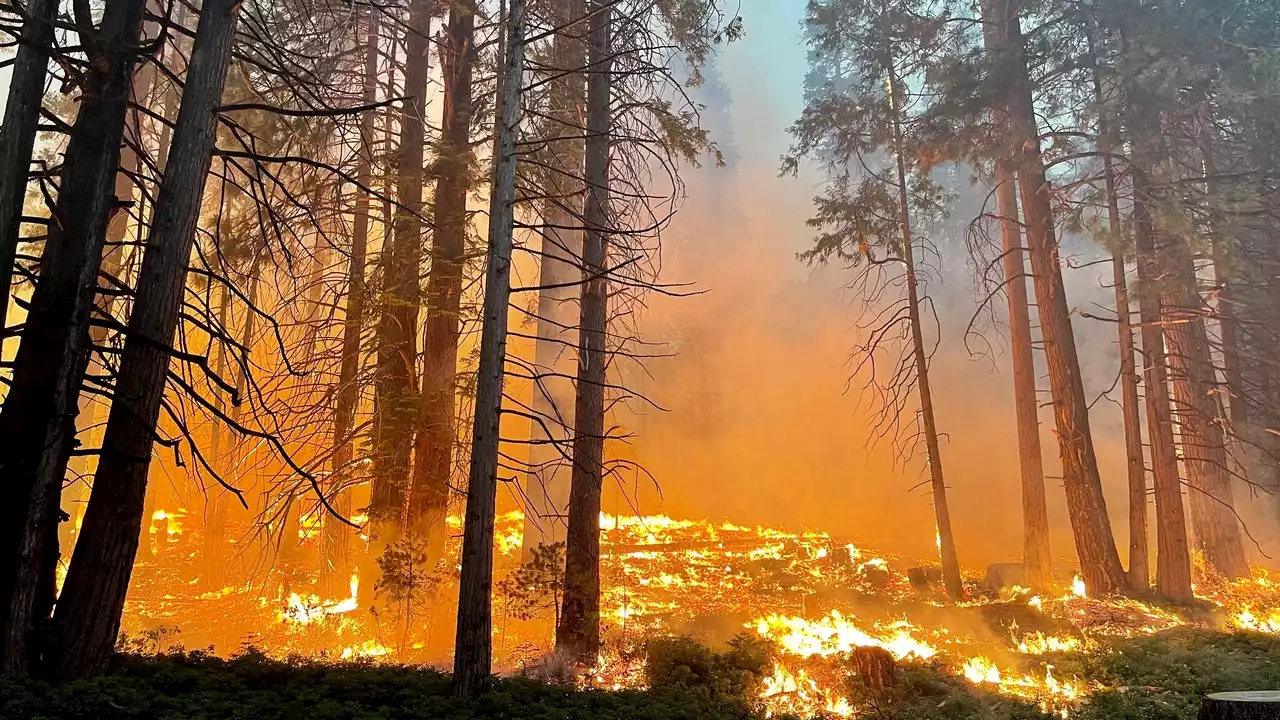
(433,457)
(18,135)
(472,660)
(547,484)
(578,629)
(88,613)
(946,538)
(335,536)
(394,378)
(1035,511)
(37,423)
(1091,529)
(1217,530)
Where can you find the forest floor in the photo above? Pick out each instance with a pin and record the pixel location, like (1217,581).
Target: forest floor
(1155,677)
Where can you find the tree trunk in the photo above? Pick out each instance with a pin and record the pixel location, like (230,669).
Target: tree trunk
(1173,560)
(1035,512)
(1264,705)
(474,639)
(946,538)
(1217,530)
(335,535)
(87,619)
(18,135)
(1086,505)
(1139,573)
(91,407)
(433,457)
(394,378)
(547,483)
(578,628)
(37,423)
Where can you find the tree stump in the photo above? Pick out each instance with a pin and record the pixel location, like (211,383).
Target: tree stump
(1261,705)
(923,578)
(876,667)
(1003,575)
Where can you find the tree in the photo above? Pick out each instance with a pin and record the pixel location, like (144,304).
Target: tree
(1035,512)
(433,454)
(335,536)
(37,422)
(578,627)
(548,481)
(474,639)
(1099,560)
(850,128)
(87,619)
(18,135)
(396,391)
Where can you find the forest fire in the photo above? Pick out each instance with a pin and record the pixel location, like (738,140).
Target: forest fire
(815,598)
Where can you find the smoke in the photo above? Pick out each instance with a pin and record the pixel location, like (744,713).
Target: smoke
(763,422)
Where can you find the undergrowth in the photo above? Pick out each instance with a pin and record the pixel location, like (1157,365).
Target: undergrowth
(1160,677)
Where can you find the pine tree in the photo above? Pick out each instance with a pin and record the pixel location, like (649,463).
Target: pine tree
(474,641)
(578,629)
(87,619)
(37,422)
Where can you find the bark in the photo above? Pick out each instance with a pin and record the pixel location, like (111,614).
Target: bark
(547,484)
(1086,505)
(942,515)
(1139,572)
(578,628)
(87,619)
(1191,374)
(433,456)
(394,378)
(473,643)
(1173,560)
(1035,512)
(335,536)
(91,408)
(37,423)
(18,135)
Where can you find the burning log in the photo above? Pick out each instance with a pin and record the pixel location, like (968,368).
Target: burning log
(1263,705)
(1004,575)
(875,666)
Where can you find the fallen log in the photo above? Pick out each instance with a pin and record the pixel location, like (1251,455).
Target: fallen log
(1260,705)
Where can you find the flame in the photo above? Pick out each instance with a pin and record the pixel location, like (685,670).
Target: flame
(658,574)
(313,609)
(837,634)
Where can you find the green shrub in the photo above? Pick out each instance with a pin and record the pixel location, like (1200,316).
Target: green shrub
(735,675)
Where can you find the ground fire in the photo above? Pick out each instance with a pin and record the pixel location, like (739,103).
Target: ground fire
(818,599)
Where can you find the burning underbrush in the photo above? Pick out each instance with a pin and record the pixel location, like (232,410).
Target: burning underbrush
(826,608)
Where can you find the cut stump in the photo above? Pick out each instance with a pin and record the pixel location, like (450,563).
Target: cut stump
(1260,705)
(875,666)
(924,578)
